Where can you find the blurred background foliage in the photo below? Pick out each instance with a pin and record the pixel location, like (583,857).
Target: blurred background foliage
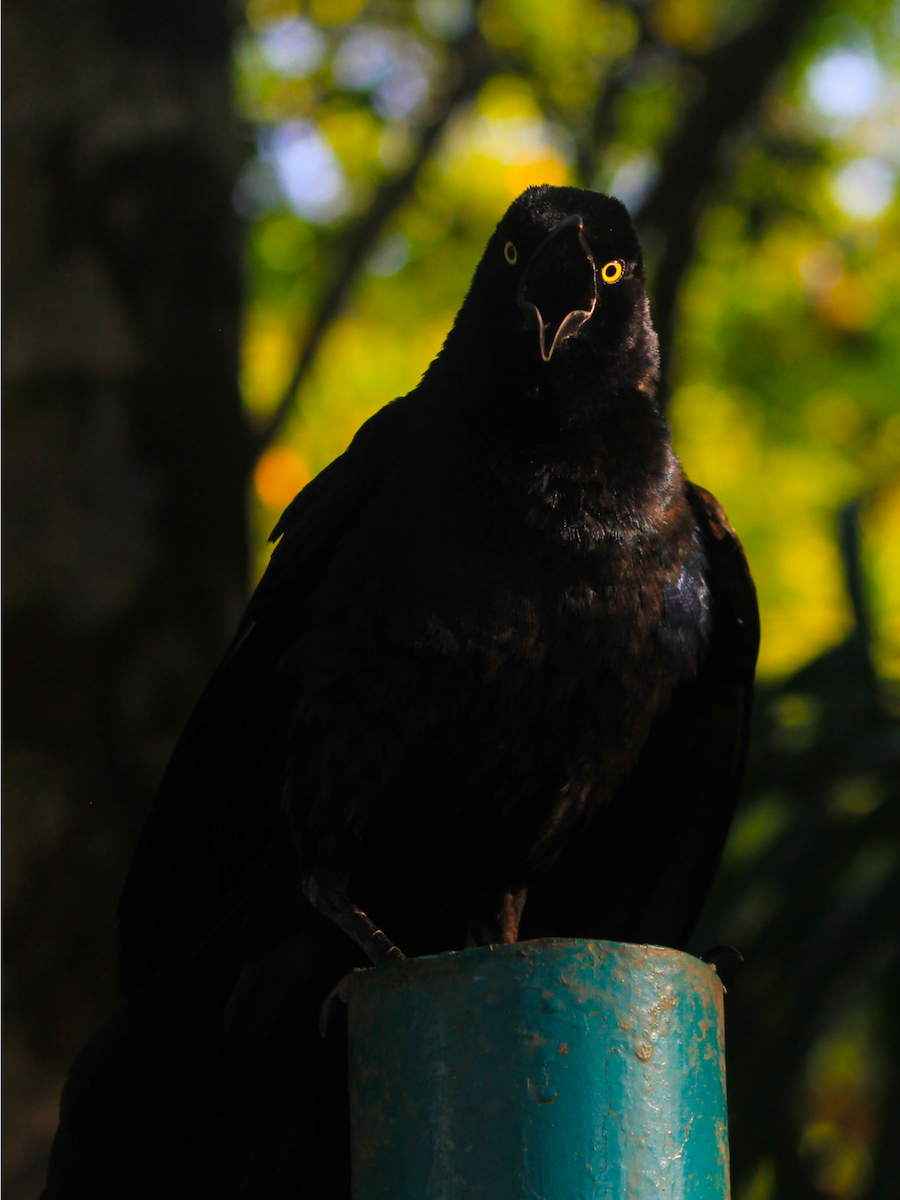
(786,370)
(757,144)
(783,377)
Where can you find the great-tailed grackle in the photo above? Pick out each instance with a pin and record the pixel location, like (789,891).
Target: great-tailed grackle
(495,683)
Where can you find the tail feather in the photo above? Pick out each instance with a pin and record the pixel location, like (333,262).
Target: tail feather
(214,1082)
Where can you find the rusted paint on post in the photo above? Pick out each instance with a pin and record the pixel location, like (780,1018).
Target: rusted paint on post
(548,1070)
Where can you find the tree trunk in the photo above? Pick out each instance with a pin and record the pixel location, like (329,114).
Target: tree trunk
(125,466)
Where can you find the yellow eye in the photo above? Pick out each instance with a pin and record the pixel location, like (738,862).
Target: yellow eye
(510,253)
(613,271)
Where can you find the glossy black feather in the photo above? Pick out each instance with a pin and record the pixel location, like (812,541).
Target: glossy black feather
(503,649)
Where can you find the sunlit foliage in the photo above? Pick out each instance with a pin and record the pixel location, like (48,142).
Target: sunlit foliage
(787,374)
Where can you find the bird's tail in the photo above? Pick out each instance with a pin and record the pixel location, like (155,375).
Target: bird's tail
(215,1082)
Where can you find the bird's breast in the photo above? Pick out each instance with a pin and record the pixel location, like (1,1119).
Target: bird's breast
(618,626)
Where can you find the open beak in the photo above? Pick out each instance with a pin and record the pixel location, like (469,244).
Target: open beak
(558,292)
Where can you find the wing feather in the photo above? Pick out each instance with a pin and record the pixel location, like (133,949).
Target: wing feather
(214,806)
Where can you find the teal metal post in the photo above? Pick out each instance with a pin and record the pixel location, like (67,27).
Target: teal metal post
(548,1070)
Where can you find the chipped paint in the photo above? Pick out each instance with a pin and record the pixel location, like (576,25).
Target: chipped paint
(555,1068)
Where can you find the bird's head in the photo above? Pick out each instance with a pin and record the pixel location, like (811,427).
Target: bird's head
(560,289)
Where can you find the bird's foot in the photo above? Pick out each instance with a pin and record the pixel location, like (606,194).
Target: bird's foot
(496,919)
(722,955)
(338,992)
(334,905)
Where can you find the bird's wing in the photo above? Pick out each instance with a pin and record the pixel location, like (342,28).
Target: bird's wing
(214,807)
(643,868)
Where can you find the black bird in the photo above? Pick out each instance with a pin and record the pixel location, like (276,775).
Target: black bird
(494,684)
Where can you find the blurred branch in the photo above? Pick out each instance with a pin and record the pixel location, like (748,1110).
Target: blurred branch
(886,1151)
(601,125)
(730,82)
(472,64)
(851,557)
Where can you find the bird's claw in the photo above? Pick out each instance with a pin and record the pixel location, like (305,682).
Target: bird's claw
(338,992)
(334,905)
(721,953)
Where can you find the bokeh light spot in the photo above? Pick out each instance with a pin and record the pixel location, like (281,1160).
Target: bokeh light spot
(845,83)
(864,188)
(292,46)
(391,255)
(395,69)
(280,474)
(633,180)
(445,18)
(309,173)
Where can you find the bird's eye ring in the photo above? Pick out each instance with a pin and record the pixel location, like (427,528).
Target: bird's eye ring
(510,253)
(613,271)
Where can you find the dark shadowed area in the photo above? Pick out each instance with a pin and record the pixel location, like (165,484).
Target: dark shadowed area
(233,235)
